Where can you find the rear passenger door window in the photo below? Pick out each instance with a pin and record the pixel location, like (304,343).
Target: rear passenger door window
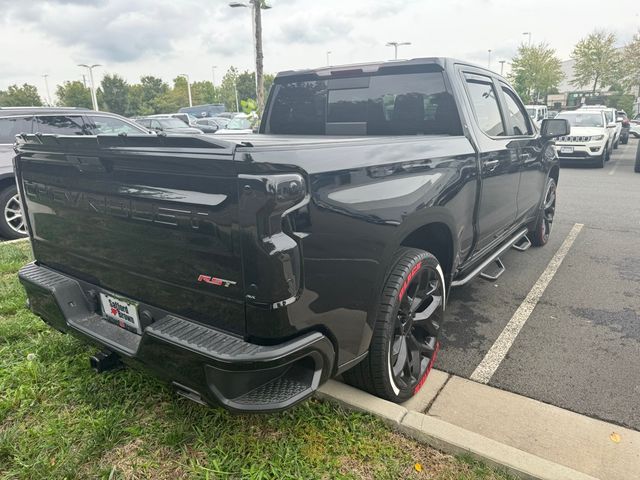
(485,105)
(517,114)
(103,125)
(62,125)
(12,126)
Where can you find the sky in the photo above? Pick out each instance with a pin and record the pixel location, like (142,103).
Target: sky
(166,38)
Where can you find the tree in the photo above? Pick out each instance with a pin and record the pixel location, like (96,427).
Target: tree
(203,92)
(115,94)
(74,94)
(631,63)
(228,90)
(150,90)
(535,71)
(24,96)
(596,61)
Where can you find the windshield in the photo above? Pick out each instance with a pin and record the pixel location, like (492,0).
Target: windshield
(531,112)
(583,119)
(171,123)
(239,124)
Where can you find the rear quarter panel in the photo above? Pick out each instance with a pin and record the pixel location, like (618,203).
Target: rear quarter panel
(364,200)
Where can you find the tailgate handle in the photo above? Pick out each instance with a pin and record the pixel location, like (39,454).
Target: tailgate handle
(87,163)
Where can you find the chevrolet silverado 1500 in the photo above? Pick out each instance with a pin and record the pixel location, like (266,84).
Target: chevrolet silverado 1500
(247,270)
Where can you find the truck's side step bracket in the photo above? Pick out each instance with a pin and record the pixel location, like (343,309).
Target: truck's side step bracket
(493,276)
(490,259)
(522,245)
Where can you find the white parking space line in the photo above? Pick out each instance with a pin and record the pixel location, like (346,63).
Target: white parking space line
(491,361)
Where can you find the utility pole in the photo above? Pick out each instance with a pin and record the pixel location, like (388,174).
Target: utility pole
(213,74)
(46,86)
(188,87)
(489,60)
(328,53)
(94,98)
(256,15)
(528,33)
(395,46)
(502,66)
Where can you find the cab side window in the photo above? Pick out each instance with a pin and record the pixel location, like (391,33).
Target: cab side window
(517,114)
(485,105)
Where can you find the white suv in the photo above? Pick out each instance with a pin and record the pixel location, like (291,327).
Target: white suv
(537,113)
(614,127)
(589,138)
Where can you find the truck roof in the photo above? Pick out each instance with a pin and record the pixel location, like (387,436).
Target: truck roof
(370,67)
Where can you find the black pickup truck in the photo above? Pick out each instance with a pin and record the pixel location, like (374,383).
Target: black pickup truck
(247,270)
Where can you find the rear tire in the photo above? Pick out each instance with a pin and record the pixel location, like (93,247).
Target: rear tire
(539,234)
(12,224)
(636,168)
(405,343)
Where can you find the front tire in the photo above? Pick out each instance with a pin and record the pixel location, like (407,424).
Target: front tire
(539,234)
(12,224)
(600,161)
(405,343)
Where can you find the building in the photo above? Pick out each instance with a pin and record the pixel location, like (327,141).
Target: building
(569,96)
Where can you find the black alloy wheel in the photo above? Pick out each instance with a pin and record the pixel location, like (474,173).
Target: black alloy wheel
(539,236)
(405,340)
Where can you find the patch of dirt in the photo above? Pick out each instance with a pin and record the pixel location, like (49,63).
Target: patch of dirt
(131,462)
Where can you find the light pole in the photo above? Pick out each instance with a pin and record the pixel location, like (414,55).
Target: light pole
(256,15)
(529,34)
(235,88)
(213,74)
(395,46)
(46,86)
(188,87)
(94,98)
(489,60)
(328,53)
(502,66)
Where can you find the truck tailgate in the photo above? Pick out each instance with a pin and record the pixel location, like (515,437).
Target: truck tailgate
(153,219)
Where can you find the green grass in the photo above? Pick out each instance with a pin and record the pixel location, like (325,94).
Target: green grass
(60,420)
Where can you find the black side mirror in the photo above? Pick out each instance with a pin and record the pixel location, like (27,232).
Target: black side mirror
(555,127)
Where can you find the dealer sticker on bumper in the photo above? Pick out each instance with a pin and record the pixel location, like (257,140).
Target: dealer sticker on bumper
(122,312)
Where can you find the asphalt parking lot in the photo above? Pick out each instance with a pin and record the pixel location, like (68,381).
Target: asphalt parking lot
(579,348)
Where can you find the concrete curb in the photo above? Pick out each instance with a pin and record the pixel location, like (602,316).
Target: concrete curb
(447,437)
(8,242)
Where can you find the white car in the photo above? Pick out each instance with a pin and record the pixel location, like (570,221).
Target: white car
(589,138)
(610,113)
(240,124)
(537,113)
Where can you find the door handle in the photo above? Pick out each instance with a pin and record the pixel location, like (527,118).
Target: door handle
(490,164)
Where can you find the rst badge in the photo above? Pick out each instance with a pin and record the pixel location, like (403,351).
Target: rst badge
(221,282)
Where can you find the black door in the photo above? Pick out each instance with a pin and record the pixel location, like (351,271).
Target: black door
(532,167)
(499,162)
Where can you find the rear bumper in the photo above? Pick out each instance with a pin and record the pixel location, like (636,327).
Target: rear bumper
(203,363)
